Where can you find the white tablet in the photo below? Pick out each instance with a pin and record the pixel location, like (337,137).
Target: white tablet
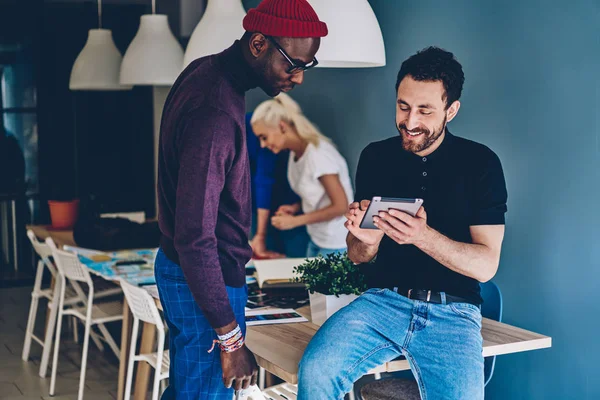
(409,206)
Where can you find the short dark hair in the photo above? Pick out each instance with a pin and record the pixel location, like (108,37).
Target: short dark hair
(435,64)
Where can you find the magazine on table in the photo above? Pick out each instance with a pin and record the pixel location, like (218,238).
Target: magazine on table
(267,316)
(135,266)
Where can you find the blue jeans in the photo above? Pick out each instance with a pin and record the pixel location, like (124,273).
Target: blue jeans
(313,250)
(442,343)
(194,373)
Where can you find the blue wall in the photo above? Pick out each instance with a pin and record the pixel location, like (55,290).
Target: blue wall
(531,94)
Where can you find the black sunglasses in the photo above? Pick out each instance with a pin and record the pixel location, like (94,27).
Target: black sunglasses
(295,67)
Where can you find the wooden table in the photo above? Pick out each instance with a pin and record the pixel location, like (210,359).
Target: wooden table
(279,348)
(65,237)
(60,237)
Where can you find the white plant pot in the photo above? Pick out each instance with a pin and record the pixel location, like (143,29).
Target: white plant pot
(324,306)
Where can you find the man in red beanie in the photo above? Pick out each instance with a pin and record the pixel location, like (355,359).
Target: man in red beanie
(204,195)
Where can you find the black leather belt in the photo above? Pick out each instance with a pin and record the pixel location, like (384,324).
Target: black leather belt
(432,297)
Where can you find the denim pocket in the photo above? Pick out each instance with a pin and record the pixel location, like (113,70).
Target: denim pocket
(467,310)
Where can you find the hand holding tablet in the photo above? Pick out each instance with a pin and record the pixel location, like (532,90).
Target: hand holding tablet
(378,204)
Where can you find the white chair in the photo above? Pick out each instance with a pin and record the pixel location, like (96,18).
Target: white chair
(143,307)
(284,391)
(69,267)
(74,295)
(252,393)
(281,392)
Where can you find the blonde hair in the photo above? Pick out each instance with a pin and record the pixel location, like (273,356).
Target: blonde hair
(284,108)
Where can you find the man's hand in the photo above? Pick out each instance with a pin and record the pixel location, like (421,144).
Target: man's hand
(402,227)
(239,368)
(284,222)
(288,209)
(354,216)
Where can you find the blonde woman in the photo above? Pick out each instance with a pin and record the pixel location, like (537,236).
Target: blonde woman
(317,172)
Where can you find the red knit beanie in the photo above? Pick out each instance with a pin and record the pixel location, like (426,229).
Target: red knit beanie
(285,18)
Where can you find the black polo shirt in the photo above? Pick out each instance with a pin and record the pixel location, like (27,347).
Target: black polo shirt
(461,183)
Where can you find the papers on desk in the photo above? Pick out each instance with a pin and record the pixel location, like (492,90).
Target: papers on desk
(119,264)
(273,316)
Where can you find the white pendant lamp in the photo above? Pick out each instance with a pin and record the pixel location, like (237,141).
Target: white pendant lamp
(154,57)
(354,39)
(219,27)
(98,65)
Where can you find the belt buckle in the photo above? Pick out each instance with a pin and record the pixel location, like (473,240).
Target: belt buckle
(428,295)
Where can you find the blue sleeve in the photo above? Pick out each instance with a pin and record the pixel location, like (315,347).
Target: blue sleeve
(264,178)
(264,175)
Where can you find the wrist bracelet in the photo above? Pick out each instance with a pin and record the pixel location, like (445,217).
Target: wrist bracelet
(229,342)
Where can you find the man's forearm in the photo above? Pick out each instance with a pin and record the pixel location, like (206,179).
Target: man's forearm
(359,252)
(476,261)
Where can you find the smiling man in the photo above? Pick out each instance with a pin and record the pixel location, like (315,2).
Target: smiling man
(424,271)
(204,195)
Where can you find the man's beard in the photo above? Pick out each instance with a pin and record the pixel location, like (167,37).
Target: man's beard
(427,138)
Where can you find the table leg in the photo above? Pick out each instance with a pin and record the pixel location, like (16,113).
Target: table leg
(142,377)
(270,379)
(125,340)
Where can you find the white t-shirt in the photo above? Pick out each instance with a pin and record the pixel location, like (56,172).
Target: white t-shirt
(304,175)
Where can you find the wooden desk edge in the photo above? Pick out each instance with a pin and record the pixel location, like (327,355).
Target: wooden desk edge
(544,342)
(287,376)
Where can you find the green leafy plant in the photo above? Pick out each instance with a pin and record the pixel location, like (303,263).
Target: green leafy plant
(334,274)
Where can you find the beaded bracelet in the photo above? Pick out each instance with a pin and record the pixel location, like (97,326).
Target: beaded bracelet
(229,342)
(229,334)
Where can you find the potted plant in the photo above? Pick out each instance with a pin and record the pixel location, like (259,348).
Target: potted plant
(333,282)
(64,207)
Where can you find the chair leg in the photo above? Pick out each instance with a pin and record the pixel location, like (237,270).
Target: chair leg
(157,371)
(30,325)
(33,308)
(56,350)
(133,344)
(261,378)
(75,329)
(49,335)
(96,340)
(109,339)
(86,343)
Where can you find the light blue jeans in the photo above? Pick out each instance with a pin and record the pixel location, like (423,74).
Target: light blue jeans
(314,250)
(442,343)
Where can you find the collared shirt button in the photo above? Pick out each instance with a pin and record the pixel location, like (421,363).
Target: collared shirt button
(424,159)
(423,188)
(424,173)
